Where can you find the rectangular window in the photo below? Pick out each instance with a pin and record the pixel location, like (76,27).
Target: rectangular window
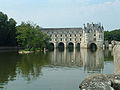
(80,39)
(99,36)
(94,39)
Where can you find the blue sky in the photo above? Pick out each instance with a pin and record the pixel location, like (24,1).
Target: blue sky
(64,13)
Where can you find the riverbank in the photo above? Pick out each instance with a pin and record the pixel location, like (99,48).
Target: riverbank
(31,51)
(20,50)
(9,48)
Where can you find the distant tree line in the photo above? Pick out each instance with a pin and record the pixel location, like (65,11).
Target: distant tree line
(26,35)
(112,35)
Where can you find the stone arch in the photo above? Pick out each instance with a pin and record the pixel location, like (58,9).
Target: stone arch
(61,44)
(51,46)
(93,46)
(70,45)
(78,45)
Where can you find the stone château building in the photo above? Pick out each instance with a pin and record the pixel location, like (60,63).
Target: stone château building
(90,34)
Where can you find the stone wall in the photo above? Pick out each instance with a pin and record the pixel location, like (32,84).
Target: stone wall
(92,33)
(116,54)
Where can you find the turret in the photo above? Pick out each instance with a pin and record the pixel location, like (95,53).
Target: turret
(93,33)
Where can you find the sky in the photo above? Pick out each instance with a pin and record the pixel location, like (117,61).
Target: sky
(64,13)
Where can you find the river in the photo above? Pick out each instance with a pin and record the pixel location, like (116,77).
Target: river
(53,70)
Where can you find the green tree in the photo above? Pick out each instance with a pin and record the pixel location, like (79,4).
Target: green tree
(30,36)
(7,31)
(112,35)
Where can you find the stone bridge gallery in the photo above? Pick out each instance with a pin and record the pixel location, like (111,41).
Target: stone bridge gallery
(90,35)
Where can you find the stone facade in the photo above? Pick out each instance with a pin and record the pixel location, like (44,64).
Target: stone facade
(84,37)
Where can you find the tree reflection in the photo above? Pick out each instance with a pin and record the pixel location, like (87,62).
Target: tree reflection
(108,55)
(8,63)
(30,65)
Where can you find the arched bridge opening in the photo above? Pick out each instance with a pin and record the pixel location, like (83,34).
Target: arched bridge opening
(93,47)
(70,46)
(61,46)
(51,46)
(78,46)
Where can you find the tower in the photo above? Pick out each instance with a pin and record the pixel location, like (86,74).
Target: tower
(92,34)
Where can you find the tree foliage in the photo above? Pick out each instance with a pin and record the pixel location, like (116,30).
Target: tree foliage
(112,35)
(7,31)
(30,36)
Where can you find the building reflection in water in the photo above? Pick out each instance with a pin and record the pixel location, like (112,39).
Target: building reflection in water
(66,58)
(91,61)
(30,66)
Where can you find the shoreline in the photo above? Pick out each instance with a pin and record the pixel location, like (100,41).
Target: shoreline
(9,48)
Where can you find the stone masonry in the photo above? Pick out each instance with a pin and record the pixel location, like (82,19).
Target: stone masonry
(84,37)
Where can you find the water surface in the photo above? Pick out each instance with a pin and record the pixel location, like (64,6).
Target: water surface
(55,70)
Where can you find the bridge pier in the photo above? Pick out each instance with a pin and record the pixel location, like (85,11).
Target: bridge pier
(90,33)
